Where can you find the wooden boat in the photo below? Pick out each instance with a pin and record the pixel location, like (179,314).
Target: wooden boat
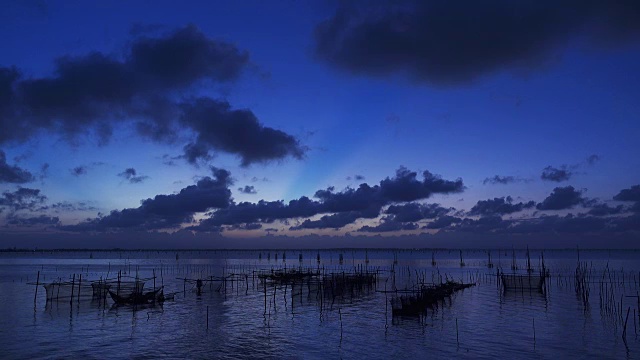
(138,298)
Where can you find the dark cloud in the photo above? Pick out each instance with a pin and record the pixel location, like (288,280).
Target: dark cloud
(388,224)
(22,199)
(562,198)
(499,206)
(365,199)
(12,173)
(627,223)
(560,224)
(484,224)
(443,222)
(363,202)
(89,93)
(184,57)
(248,189)
(545,224)
(604,210)
(592,159)
(263,212)
(235,131)
(78,170)
(356,178)
(405,187)
(250,226)
(630,194)
(498,179)
(556,174)
(167,211)
(66,206)
(131,176)
(334,221)
(447,43)
(195,152)
(8,79)
(33,221)
(413,212)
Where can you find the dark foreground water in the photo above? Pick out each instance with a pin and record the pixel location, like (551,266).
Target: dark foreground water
(479,322)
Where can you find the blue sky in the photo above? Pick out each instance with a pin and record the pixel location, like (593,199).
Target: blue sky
(295,97)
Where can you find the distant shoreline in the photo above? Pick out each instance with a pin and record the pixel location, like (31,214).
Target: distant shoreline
(16,250)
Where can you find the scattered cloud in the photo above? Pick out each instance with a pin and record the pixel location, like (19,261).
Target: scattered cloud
(334,221)
(483,224)
(12,174)
(388,224)
(562,198)
(603,209)
(44,171)
(503,180)
(499,206)
(170,160)
(356,178)
(363,202)
(251,226)
(248,189)
(551,173)
(78,170)
(630,194)
(413,212)
(256,179)
(443,222)
(592,159)
(131,176)
(239,132)
(22,199)
(33,221)
(66,206)
(569,223)
(167,211)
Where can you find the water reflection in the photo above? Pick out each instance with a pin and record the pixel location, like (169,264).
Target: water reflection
(315,320)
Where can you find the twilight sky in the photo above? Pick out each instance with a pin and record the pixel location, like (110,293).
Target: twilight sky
(320,124)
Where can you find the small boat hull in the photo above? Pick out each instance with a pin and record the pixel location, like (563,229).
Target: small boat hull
(138,298)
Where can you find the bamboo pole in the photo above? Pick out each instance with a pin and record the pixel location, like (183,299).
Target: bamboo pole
(37,285)
(73,281)
(79,284)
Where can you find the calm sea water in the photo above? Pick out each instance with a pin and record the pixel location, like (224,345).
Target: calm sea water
(479,322)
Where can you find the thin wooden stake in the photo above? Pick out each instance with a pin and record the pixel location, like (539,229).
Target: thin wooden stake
(37,285)
(534,332)
(73,282)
